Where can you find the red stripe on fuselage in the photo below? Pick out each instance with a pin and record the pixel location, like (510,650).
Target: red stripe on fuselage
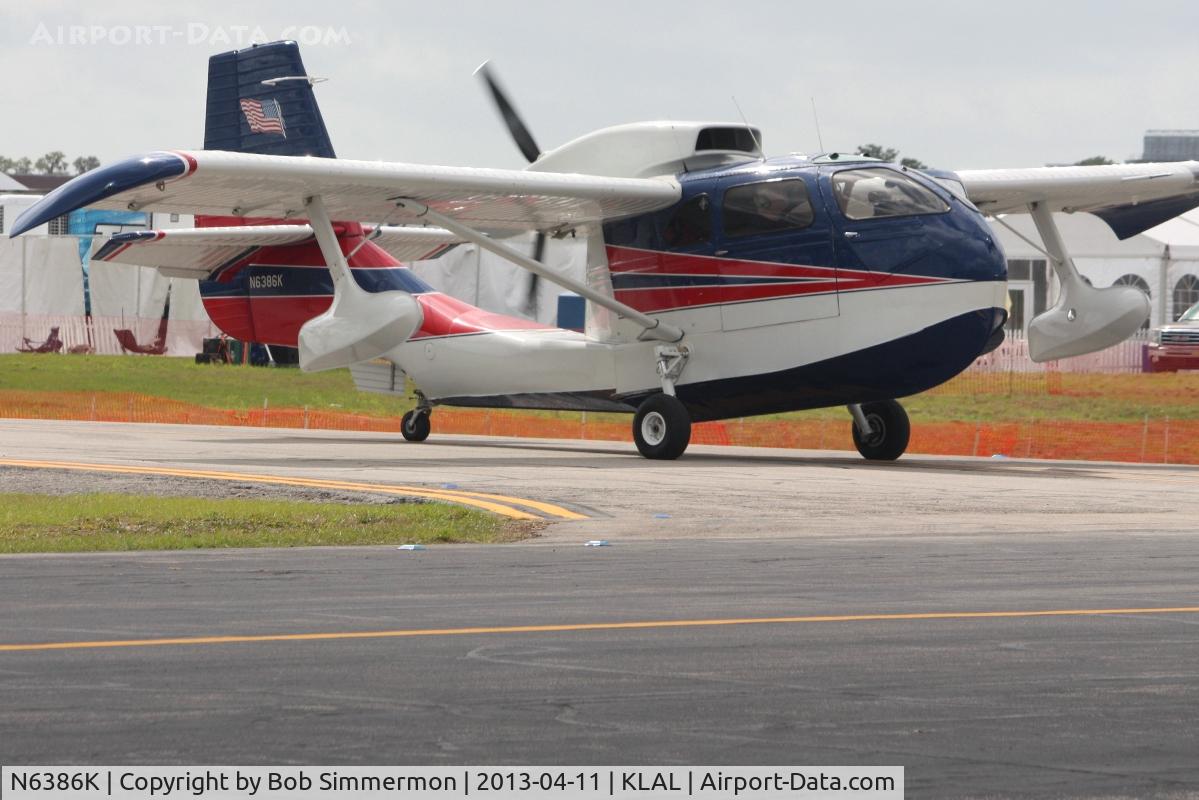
(448,316)
(627,260)
(804,280)
(277,320)
(681,298)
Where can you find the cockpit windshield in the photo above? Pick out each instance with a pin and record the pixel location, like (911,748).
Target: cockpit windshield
(876,192)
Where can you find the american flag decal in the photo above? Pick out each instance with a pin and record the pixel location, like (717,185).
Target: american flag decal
(264,116)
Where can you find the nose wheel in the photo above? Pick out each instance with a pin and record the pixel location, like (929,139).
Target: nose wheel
(415,425)
(880,430)
(662,427)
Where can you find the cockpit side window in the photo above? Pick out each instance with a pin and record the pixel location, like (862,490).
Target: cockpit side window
(767,207)
(689,224)
(877,192)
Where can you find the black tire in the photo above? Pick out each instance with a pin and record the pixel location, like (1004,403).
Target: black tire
(890,434)
(416,426)
(662,427)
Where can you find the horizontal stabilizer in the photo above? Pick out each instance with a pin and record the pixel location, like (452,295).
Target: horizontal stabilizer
(200,252)
(195,253)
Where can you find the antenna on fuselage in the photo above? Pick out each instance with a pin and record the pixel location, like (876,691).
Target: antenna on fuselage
(750,128)
(816,119)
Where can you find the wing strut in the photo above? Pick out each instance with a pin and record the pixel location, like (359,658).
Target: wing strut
(1084,319)
(655,329)
(360,325)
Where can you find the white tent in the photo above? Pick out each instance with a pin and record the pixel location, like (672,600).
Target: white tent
(1165,259)
(493,283)
(41,287)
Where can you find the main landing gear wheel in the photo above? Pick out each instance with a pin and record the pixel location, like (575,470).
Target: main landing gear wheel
(415,425)
(662,427)
(889,431)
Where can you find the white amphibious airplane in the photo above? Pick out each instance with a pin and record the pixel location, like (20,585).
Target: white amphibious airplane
(720,283)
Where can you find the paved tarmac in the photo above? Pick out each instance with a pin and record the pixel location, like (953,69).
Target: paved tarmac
(905,602)
(717,492)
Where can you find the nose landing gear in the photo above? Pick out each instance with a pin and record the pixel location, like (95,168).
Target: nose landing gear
(880,430)
(662,427)
(415,425)
(662,424)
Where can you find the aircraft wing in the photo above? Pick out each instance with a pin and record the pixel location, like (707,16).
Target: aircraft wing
(198,252)
(218,183)
(1130,198)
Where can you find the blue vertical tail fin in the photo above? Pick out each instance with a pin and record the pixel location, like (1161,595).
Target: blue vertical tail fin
(279,118)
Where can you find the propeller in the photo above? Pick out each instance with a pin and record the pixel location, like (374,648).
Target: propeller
(528,148)
(516,126)
(538,254)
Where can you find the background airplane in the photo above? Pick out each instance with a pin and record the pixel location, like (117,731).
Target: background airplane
(720,283)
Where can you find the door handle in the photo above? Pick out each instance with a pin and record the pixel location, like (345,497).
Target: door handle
(852,234)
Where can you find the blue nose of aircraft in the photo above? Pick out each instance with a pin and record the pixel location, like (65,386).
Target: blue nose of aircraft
(898,221)
(980,257)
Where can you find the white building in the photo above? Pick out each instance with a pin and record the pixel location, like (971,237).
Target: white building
(8,184)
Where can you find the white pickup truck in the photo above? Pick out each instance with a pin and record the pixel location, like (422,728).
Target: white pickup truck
(1175,345)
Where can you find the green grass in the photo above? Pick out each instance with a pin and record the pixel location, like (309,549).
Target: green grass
(92,522)
(216,386)
(1024,408)
(973,397)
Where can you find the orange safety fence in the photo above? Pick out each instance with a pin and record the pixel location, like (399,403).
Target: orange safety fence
(1151,440)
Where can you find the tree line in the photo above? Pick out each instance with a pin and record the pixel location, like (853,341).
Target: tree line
(52,163)
(891,155)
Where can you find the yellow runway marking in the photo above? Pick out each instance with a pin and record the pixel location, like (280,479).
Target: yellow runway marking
(496,503)
(589,626)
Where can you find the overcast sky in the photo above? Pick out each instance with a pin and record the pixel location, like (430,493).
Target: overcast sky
(956,84)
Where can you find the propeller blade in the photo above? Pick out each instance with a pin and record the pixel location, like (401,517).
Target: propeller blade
(516,126)
(538,252)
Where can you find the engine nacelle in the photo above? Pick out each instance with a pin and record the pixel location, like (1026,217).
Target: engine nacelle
(646,149)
